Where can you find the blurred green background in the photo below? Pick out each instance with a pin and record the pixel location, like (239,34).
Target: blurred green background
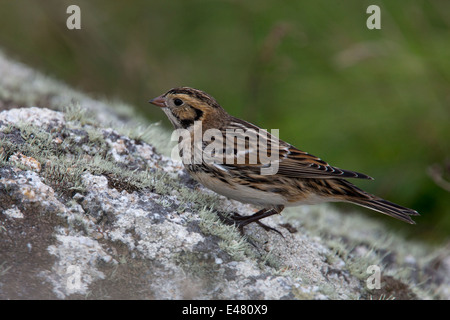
(373,101)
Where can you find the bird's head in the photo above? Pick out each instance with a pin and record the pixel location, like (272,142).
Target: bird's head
(183,106)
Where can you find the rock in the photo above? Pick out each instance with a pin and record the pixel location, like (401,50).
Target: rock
(98,212)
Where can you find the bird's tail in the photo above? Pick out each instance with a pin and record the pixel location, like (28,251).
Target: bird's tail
(357,196)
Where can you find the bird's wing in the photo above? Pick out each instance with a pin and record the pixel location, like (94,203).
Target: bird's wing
(255,148)
(297,163)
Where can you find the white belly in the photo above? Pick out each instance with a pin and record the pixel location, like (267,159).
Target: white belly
(246,194)
(241,193)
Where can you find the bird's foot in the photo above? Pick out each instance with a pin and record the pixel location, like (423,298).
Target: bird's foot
(240,221)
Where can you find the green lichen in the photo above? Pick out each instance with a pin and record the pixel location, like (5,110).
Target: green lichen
(152,134)
(74,112)
(231,240)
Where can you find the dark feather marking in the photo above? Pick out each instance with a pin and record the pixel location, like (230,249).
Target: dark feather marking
(198,113)
(200,95)
(224,180)
(186,123)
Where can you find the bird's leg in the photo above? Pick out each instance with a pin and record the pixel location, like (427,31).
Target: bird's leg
(241,221)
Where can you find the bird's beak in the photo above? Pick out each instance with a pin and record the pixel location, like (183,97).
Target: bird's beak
(158,101)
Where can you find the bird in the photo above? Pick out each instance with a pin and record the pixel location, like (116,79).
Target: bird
(236,170)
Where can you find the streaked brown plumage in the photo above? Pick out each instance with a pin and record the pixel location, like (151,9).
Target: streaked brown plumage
(301,177)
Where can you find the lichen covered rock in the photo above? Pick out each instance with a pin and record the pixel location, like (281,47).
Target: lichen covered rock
(93,211)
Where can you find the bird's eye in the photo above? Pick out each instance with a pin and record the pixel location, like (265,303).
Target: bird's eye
(178,102)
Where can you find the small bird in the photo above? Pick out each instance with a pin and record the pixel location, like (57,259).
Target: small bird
(300,178)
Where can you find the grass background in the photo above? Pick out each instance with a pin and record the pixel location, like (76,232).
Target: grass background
(373,101)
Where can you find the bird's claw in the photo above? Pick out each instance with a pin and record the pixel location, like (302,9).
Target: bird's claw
(240,221)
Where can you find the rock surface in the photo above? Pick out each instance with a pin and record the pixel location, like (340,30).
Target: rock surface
(92,208)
